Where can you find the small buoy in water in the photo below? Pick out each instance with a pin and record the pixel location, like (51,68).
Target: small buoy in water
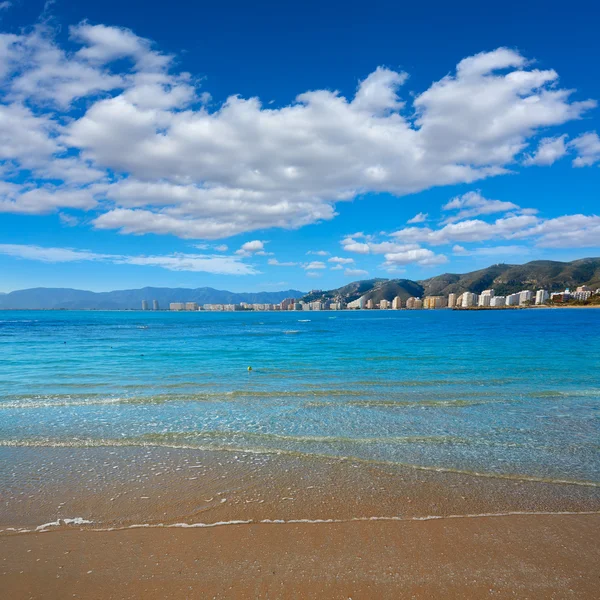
(249,368)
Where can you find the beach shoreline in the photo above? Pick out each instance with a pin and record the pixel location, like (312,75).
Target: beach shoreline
(291,527)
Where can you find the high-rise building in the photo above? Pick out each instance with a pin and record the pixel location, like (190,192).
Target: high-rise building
(541,296)
(397,303)
(469,299)
(484,300)
(434,302)
(512,299)
(144,304)
(497,301)
(370,304)
(385,304)
(582,295)
(451,300)
(191,306)
(177,306)
(413,303)
(155,305)
(525,296)
(286,303)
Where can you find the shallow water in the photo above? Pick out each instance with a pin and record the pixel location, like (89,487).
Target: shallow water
(514,393)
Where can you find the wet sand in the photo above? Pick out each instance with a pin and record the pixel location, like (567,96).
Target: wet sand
(398,532)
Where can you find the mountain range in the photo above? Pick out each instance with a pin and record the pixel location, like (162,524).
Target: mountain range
(505,279)
(64,298)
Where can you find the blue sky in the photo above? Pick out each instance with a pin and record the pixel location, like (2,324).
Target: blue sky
(270,146)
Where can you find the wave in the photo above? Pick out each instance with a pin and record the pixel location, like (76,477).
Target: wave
(178,441)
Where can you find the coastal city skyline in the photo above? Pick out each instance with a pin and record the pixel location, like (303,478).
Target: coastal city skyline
(133,156)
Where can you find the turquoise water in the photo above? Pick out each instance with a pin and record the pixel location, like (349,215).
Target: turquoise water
(494,392)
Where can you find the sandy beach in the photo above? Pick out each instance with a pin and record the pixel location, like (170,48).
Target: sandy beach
(540,556)
(396,532)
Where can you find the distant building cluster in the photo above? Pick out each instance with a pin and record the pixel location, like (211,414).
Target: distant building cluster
(486,299)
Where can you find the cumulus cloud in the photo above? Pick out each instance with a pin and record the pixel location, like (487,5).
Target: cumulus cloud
(151,155)
(473,204)
(418,218)
(315,264)
(252,247)
(550,149)
(223,265)
(575,231)
(318,252)
(587,147)
(421,256)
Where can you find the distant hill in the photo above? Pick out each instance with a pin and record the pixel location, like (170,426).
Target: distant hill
(503,278)
(55,298)
(551,275)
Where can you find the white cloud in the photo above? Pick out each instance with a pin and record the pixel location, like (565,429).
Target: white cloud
(550,149)
(253,247)
(224,265)
(313,274)
(369,246)
(49,255)
(473,204)
(340,260)
(315,264)
(318,252)
(337,268)
(179,166)
(222,248)
(570,231)
(355,272)
(5,5)
(422,257)
(587,147)
(351,245)
(418,218)
(575,231)
(275,263)
(513,250)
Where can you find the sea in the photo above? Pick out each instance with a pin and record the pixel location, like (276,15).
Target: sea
(498,392)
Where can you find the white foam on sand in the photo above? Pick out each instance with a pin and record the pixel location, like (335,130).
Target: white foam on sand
(80,521)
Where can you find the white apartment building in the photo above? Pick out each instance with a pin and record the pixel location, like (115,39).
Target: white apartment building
(451,300)
(541,296)
(485,300)
(512,299)
(497,301)
(177,306)
(370,304)
(144,304)
(397,303)
(525,296)
(469,299)
(385,304)
(583,295)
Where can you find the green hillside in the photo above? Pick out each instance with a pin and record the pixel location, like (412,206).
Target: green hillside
(504,279)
